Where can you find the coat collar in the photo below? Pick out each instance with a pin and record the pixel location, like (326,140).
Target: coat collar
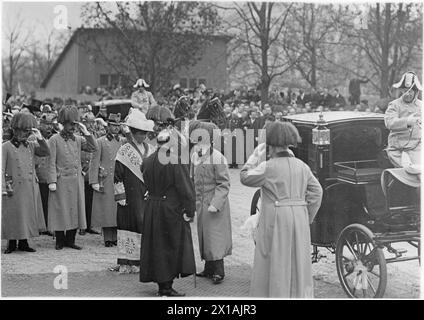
(17,143)
(66,136)
(283,154)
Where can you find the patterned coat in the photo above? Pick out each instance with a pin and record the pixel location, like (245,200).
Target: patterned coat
(212,184)
(22,213)
(290,199)
(67,203)
(104,205)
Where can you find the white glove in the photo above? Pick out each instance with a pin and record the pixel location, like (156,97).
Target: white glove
(125,129)
(83,129)
(187,218)
(37,134)
(52,187)
(96,187)
(212,209)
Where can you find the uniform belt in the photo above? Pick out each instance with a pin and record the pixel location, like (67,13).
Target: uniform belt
(290,202)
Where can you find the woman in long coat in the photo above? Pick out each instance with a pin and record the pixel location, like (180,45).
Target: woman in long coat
(22,211)
(66,183)
(212,184)
(291,197)
(102,170)
(167,247)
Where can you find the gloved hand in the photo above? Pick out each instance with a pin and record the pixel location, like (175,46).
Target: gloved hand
(96,187)
(212,209)
(83,129)
(37,133)
(52,187)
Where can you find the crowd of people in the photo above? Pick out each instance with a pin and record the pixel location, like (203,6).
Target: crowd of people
(65,169)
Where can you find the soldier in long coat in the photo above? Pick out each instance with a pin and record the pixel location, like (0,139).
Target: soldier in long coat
(167,247)
(66,183)
(22,211)
(212,185)
(290,199)
(403,119)
(101,179)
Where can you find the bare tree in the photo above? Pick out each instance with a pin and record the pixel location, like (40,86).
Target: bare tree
(14,53)
(149,39)
(257,28)
(391,40)
(309,38)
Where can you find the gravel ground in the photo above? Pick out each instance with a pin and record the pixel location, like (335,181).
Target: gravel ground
(31,274)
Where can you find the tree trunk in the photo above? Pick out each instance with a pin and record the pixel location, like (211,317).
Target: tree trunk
(313,68)
(384,75)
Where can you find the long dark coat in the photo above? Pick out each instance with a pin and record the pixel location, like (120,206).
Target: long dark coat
(167,246)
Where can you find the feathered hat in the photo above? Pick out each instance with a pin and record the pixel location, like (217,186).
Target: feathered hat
(141,83)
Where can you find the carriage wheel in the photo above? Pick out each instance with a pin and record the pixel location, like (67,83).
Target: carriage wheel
(255,205)
(361,265)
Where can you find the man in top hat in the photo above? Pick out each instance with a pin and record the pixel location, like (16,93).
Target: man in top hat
(130,183)
(141,98)
(101,179)
(66,182)
(403,119)
(22,212)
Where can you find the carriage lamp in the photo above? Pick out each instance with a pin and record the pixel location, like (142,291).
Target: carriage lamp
(321,134)
(321,139)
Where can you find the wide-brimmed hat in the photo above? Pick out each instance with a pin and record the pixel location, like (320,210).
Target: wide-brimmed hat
(137,120)
(141,83)
(114,119)
(409,80)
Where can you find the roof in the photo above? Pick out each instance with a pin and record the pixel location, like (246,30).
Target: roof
(78,31)
(334,116)
(112,102)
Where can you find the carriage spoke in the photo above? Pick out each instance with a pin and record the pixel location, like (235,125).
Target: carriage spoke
(371,285)
(351,249)
(357,243)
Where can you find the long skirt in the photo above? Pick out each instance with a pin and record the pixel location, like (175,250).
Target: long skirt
(129,239)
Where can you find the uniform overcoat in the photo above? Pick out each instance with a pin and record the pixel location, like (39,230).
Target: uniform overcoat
(212,185)
(67,203)
(104,205)
(22,213)
(290,199)
(402,137)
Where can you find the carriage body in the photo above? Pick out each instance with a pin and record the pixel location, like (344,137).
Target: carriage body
(364,209)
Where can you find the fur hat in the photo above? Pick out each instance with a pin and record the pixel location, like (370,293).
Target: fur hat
(68,114)
(23,121)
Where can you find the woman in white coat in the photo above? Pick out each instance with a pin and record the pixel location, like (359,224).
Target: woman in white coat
(291,197)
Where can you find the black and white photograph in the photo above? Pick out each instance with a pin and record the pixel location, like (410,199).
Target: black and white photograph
(211,150)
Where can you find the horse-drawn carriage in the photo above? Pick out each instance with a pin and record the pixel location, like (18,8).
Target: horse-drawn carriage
(367,206)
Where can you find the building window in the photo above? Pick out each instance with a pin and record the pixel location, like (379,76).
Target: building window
(104,80)
(193,83)
(183,82)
